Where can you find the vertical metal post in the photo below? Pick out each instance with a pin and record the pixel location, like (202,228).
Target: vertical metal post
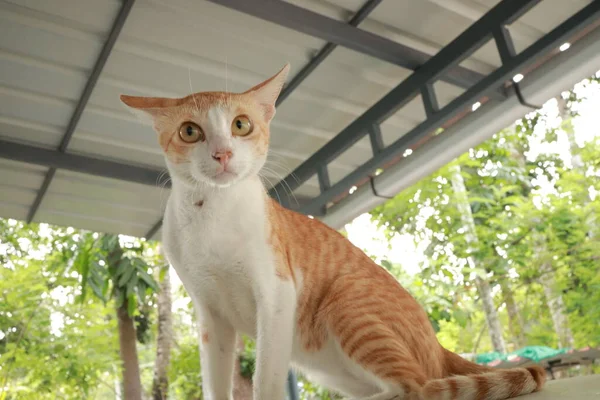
(323,175)
(430,102)
(292,386)
(504,43)
(376,139)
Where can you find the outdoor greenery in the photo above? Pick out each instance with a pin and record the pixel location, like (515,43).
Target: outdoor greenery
(533,220)
(511,239)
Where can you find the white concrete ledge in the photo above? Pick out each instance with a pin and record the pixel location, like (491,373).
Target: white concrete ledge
(579,388)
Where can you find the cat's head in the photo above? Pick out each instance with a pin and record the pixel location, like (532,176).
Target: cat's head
(215,138)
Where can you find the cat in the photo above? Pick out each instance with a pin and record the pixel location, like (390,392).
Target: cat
(308,296)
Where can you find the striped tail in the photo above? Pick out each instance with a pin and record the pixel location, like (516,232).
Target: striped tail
(475,382)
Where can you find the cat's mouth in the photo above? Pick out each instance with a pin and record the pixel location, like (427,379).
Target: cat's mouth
(224,177)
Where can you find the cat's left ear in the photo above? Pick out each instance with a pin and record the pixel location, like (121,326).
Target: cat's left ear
(266,93)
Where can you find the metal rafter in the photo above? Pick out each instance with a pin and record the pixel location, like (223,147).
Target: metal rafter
(79,163)
(465,44)
(83,100)
(82,164)
(337,32)
(360,16)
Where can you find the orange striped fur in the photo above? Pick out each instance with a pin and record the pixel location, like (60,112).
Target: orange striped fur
(376,321)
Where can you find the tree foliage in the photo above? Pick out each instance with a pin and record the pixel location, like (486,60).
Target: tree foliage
(530,207)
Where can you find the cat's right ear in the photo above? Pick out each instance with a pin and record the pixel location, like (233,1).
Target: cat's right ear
(148,109)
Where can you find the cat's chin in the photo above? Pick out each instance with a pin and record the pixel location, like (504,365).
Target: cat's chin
(225,179)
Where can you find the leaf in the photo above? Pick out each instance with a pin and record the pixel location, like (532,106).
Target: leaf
(148,279)
(162,272)
(97,291)
(386,264)
(131,305)
(479,199)
(105,287)
(131,284)
(82,265)
(461,317)
(122,266)
(141,290)
(113,241)
(126,275)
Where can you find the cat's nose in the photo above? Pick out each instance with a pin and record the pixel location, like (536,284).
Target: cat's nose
(222,156)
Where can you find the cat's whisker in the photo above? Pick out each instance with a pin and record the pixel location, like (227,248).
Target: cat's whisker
(286,171)
(160,176)
(191,89)
(287,189)
(162,184)
(273,187)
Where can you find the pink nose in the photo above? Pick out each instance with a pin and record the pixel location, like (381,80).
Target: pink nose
(222,157)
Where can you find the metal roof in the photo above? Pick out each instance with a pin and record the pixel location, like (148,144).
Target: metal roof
(369,80)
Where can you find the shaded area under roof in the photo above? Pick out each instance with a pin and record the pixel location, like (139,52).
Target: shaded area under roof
(70,154)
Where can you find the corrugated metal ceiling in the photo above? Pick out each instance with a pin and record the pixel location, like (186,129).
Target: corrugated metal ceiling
(48,50)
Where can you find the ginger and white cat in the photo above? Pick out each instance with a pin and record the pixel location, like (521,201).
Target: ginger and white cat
(307,295)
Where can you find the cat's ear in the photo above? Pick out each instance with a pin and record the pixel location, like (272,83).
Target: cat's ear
(148,108)
(266,93)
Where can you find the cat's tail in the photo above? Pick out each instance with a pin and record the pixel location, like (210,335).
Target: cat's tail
(470,381)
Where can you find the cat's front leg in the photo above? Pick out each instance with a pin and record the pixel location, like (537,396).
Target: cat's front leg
(276,311)
(217,350)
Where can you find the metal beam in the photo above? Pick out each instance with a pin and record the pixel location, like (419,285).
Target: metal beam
(83,100)
(465,44)
(55,160)
(361,14)
(78,163)
(337,32)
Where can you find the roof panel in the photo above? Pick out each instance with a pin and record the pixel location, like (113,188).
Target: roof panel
(91,222)
(110,205)
(45,53)
(19,183)
(93,188)
(23,31)
(42,135)
(30,107)
(89,16)
(21,175)
(42,77)
(47,50)
(549,13)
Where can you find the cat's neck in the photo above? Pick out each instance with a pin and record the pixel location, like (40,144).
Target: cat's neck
(248,191)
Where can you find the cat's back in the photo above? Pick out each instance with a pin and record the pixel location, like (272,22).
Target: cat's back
(345,298)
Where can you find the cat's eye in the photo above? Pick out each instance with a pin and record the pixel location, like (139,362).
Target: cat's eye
(189,132)
(241,126)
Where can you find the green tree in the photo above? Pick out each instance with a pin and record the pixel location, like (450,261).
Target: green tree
(51,346)
(487,216)
(160,379)
(118,271)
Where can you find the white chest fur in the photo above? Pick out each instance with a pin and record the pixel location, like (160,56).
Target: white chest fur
(219,249)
